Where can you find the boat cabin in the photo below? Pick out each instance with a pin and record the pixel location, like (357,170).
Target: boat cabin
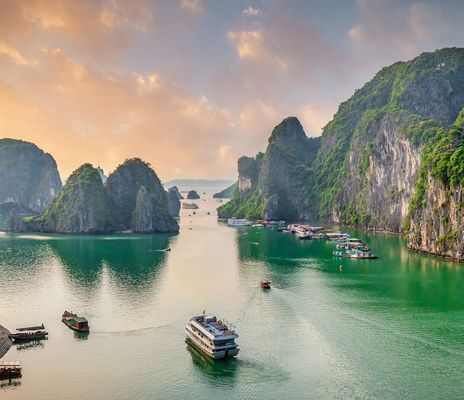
(79,323)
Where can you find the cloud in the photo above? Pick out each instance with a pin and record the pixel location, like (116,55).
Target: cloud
(79,113)
(194,6)
(99,29)
(14,55)
(315,116)
(395,28)
(251,11)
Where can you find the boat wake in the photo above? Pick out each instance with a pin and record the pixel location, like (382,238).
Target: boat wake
(129,332)
(380,325)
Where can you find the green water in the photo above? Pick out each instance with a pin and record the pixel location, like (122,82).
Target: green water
(387,329)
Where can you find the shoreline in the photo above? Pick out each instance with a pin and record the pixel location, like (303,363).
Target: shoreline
(5,342)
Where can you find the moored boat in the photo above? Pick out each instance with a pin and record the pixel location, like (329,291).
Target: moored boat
(238,222)
(29,333)
(214,338)
(75,322)
(10,369)
(265,284)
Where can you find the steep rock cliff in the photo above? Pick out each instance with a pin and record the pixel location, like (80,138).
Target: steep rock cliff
(369,167)
(269,185)
(29,177)
(81,206)
(435,223)
(123,187)
(173,202)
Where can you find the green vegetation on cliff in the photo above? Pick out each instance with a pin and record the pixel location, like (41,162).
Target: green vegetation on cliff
(136,210)
(375,157)
(82,205)
(270,184)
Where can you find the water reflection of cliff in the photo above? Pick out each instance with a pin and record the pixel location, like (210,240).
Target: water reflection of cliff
(398,274)
(134,259)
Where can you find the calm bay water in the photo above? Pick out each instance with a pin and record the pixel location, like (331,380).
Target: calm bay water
(387,329)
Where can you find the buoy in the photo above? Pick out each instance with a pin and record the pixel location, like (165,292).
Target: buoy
(341,267)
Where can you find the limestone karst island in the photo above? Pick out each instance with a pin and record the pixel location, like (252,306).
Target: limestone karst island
(230,200)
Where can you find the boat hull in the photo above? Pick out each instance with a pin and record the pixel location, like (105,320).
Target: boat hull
(19,338)
(74,328)
(217,355)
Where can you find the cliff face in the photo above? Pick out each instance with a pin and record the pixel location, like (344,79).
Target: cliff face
(435,223)
(82,206)
(134,209)
(29,178)
(369,164)
(269,184)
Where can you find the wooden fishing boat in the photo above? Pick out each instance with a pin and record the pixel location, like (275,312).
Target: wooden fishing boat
(29,333)
(73,321)
(265,284)
(10,369)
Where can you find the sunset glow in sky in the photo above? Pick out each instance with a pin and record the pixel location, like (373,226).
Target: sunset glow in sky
(191,85)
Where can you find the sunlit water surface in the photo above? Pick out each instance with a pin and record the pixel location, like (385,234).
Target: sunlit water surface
(389,328)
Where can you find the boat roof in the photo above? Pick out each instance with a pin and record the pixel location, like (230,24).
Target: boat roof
(213,326)
(80,319)
(10,363)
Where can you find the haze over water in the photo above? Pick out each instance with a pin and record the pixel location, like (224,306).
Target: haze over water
(386,328)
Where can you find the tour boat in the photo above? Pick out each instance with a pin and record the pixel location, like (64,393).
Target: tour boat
(29,333)
(352,243)
(238,222)
(75,322)
(265,284)
(212,337)
(10,369)
(355,253)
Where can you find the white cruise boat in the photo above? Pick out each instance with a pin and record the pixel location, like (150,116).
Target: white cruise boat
(212,337)
(238,222)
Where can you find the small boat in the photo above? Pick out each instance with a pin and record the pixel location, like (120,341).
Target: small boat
(189,206)
(75,322)
(29,333)
(238,222)
(10,369)
(214,338)
(265,284)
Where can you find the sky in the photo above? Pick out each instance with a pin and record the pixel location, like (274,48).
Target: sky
(192,85)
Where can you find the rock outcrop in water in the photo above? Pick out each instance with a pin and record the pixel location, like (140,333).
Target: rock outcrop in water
(175,189)
(371,167)
(193,195)
(173,202)
(29,178)
(138,201)
(133,200)
(82,206)
(227,193)
(270,184)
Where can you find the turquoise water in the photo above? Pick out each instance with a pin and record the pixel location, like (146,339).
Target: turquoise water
(377,329)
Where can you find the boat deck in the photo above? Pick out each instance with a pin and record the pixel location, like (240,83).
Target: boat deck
(213,326)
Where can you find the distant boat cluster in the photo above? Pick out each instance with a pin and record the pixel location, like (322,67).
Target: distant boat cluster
(347,247)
